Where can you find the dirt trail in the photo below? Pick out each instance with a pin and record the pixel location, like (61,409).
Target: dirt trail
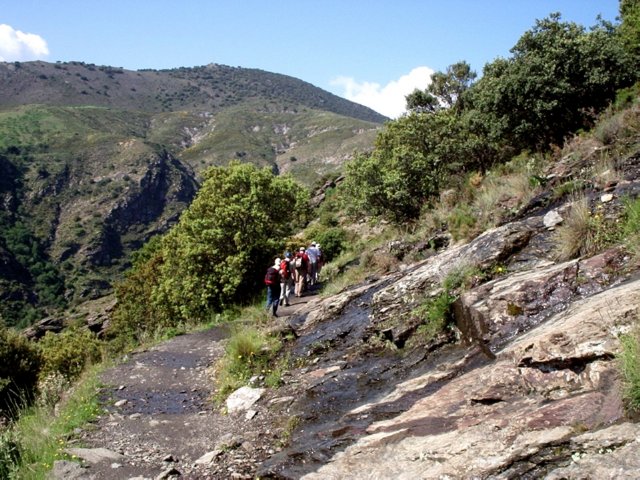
(159,416)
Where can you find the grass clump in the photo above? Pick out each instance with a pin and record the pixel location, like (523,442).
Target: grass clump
(38,438)
(630,368)
(249,352)
(583,232)
(436,312)
(630,229)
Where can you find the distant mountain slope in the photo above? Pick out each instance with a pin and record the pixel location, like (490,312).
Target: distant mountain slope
(96,160)
(212,87)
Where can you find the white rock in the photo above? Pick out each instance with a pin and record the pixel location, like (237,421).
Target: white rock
(209,457)
(121,403)
(552,218)
(95,455)
(607,197)
(243,398)
(250,414)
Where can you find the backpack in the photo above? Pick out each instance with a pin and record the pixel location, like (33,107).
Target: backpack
(298,262)
(271,278)
(284,269)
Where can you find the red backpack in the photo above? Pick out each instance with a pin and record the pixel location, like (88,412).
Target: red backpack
(284,269)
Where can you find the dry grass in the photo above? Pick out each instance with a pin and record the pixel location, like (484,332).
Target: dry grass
(573,237)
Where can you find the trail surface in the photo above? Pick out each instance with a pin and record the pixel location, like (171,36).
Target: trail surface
(160,421)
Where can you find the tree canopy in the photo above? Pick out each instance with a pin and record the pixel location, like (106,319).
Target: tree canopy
(559,77)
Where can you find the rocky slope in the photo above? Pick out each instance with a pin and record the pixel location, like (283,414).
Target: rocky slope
(525,384)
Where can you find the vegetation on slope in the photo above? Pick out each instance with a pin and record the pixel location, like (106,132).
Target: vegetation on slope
(198,267)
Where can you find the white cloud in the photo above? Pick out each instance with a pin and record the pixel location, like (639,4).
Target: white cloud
(390,99)
(19,46)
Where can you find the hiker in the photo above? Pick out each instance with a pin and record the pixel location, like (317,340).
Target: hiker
(320,262)
(272,281)
(312,253)
(286,279)
(301,264)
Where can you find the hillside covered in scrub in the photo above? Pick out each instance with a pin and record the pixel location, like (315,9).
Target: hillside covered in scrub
(477,315)
(94,161)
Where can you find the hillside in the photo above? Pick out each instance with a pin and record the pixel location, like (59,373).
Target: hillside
(208,88)
(523,380)
(96,160)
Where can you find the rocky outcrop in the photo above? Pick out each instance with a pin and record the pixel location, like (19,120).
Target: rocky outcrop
(522,415)
(150,207)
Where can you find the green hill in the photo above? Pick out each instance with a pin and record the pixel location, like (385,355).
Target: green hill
(96,160)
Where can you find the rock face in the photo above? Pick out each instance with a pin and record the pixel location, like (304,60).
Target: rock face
(526,385)
(519,415)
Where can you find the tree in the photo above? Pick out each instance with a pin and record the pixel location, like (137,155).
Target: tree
(218,252)
(630,27)
(445,89)
(559,76)
(413,158)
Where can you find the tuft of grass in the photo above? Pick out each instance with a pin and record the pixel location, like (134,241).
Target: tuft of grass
(583,233)
(436,312)
(630,229)
(249,352)
(630,367)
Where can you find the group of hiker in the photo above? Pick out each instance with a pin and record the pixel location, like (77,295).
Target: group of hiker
(292,274)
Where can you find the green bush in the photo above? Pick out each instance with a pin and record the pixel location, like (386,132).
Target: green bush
(20,364)
(69,352)
(333,241)
(217,254)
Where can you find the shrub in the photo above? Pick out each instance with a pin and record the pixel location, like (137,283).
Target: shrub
(69,352)
(333,241)
(20,363)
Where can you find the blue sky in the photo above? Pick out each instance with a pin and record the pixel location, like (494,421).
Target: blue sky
(370,51)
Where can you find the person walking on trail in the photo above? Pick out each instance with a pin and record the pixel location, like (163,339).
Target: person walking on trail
(287,284)
(313,253)
(301,264)
(320,262)
(272,281)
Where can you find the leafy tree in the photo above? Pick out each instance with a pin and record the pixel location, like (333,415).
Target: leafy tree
(135,312)
(413,158)
(630,27)
(559,76)
(445,89)
(218,252)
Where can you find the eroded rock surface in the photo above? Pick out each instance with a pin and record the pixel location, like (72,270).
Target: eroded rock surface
(521,415)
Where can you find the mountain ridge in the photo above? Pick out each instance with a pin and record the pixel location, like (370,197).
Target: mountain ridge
(212,87)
